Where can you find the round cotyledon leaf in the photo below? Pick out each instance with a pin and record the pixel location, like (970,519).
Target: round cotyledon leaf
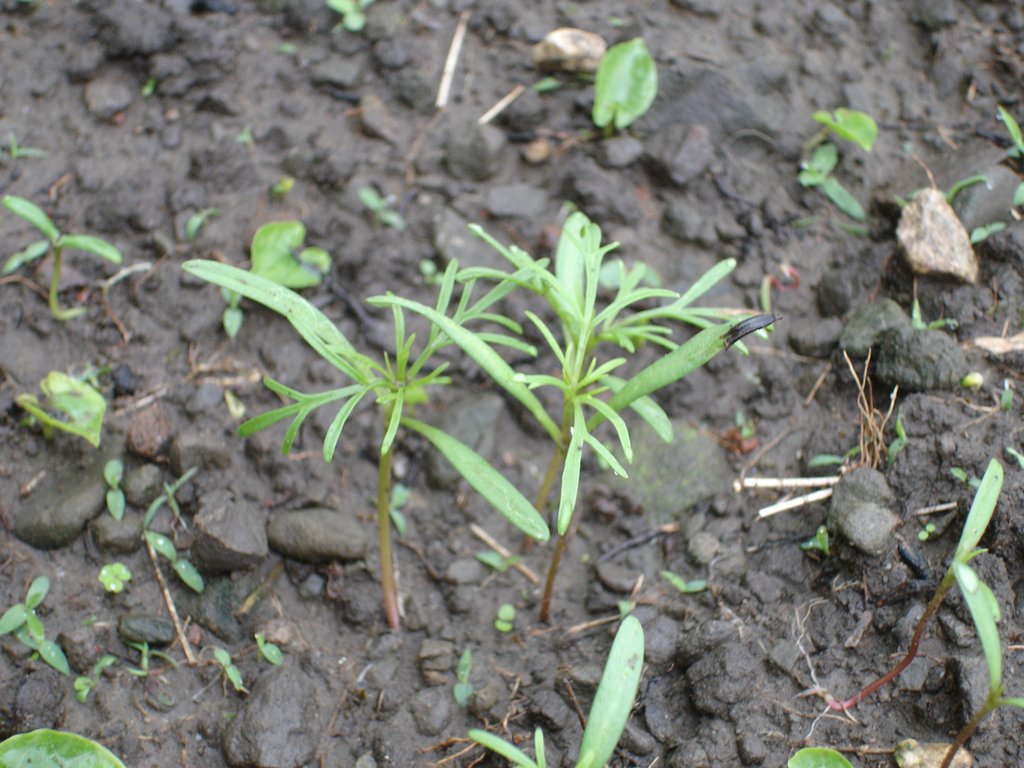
(55,749)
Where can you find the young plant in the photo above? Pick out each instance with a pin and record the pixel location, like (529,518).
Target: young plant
(684,586)
(463,689)
(228,669)
(397,384)
(608,714)
(69,404)
(353,17)
(268,651)
(21,619)
(56,242)
(981,511)
(818,757)
(857,127)
(504,622)
(55,748)
(85,683)
(380,207)
(163,545)
(16,151)
(589,390)
(818,542)
(113,472)
(114,577)
(627,82)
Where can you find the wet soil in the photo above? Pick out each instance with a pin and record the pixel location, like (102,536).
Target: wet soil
(247,92)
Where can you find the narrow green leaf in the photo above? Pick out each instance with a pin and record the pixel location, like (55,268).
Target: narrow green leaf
(571,472)
(706,282)
(1012,126)
(1018,199)
(605,455)
(338,423)
(982,507)
(163,545)
(1012,702)
(842,199)
(615,693)
(620,426)
(37,592)
(33,214)
(486,480)
(90,244)
(188,574)
(232,320)
(498,745)
(52,654)
(35,251)
(984,610)
(396,411)
(13,618)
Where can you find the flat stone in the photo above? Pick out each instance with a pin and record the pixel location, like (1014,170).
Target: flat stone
(109,94)
(376,119)
(432,709)
(145,628)
(568,49)
(933,240)
(118,537)
(868,323)
(229,534)
(860,511)
(150,431)
(919,360)
(475,151)
(317,535)
(199,449)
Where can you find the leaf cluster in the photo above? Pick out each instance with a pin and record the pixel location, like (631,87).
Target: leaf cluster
(21,619)
(69,404)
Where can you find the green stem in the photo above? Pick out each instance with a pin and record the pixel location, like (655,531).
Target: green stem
(991,702)
(56,309)
(387,564)
(556,464)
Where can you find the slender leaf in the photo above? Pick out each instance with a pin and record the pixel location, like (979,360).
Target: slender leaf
(35,251)
(982,507)
(53,655)
(842,199)
(984,610)
(188,574)
(571,473)
(33,214)
(620,426)
(486,480)
(1012,702)
(396,417)
(498,745)
(94,245)
(338,423)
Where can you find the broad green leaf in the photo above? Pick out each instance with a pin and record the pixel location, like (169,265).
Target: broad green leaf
(188,574)
(842,199)
(269,651)
(615,693)
(496,744)
(824,159)
(858,127)
(982,233)
(37,250)
(69,405)
(33,214)
(37,592)
(984,610)
(272,251)
(482,354)
(486,480)
(982,507)
(163,545)
(627,82)
(55,749)
(53,655)
(571,473)
(818,757)
(94,245)
(13,618)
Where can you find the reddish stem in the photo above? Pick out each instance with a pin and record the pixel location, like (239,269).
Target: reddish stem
(387,564)
(968,730)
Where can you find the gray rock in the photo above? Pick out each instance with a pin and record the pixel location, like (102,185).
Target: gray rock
(376,119)
(109,94)
(145,628)
(919,360)
(453,241)
(199,449)
(465,570)
(432,709)
(128,29)
(37,702)
(472,419)
(142,484)
(229,534)
(524,201)
(981,204)
(118,537)
(816,339)
(667,480)
(615,577)
(337,72)
(475,151)
(279,725)
(661,635)
(598,192)
(860,512)
(703,547)
(681,153)
(436,656)
(934,241)
(868,323)
(619,151)
(317,535)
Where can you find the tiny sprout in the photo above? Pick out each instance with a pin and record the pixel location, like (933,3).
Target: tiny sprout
(270,652)
(352,13)
(818,757)
(1016,455)
(925,533)
(380,207)
(506,618)
(463,689)
(684,586)
(197,220)
(818,542)
(281,188)
(85,683)
(230,671)
(114,576)
(1006,397)
(149,88)
(500,563)
(972,380)
(982,233)
(245,137)
(113,471)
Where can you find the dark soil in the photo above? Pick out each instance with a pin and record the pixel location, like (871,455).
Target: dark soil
(709,173)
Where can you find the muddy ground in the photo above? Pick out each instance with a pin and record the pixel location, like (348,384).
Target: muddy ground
(243,93)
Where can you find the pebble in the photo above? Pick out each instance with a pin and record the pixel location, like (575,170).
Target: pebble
(146,628)
(681,153)
(474,151)
(568,49)
(376,119)
(118,537)
(229,534)
(520,200)
(142,484)
(317,535)
(868,323)
(860,511)
(150,431)
(199,449)
(933,240)
(432,709)
(108,95)
(919,360)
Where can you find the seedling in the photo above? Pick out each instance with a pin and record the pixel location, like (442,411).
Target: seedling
(113,471)
(832,459)
(69,404)
(972,380)
(380,207)
(114,577)
(55,748)
(146,656)
(245,137)
(85,683)
(818,542)
(925,533)
(982,233)
(817,172)
(589,390)
(608,715)
(1006,396)
(463,689)
(21,619)
(498,562)
(505,620)
(627,82)
(849,124)
(196,222)
(943,323)
(1016,456)
(228,668)
(17,152)
(185,570)
(899,442)
(270,652)
(684,586)
(399,497)
(397,384)
(818,757)
(353,16)
(960,474)
(57,243)
(1016,150)
(280,188)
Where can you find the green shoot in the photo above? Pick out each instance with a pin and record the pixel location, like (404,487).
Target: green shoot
(185,570)
(849,124)
(17,152)
(972,380)
(1013,128)
(21,619)
(463,689)
(963,184)
(818,542)
(626,84)
(279,189)
(832,459)
(230,671)
(268,651)
(114,577)
(353,17)
(85,683)
(69,405)
(113,471)
(399,497)
(499,563)
(926,533)
(1016,456)
(817,172)
(920,325)
(1006,396)
(197,220)
(982,233)
(505,620)
(899,442)
(380,207)
(818,757)
(684,586)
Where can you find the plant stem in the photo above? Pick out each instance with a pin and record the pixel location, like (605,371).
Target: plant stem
(554,467)
(56,309)
(387,564)
(929,611)
(991,702)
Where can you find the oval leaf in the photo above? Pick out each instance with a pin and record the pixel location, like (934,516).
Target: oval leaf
(37,250)
(53,749)
(37,591)
(52,654)
(852,125)
(33,214)
(272,249)
(818,757)
(13,618)
(188,574)
(93,245)
(627,82)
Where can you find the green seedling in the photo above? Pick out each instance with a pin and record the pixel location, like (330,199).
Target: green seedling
(233,316)
(590,392)
(114,577)
(21,619)
(168,497)
(817,172)
(926,533)
(684,586)
(69,404)
(1016,456)
(380,207)
(196,222)
(245,137)
(270,652)
(57,243)
(547,84)
(185,570)
(832,459)
(51,749)
(113,471)
(1013,128)
(149,88)
(499,563)
(399,497)
(463,689)
(978,518)
(972,380)
(849,124)
(17,152)
(353,15)
(228,668)
(960,474)
(397,383)
(818,757)
(982,233)
(85,683)
(505,620)
(626,84)
(899,442)
(608,714)
(1006,396)
(146,656)
(818,542)
(919,324)
(280,188)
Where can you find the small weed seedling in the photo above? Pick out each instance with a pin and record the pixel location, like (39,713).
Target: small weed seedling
(268,651)
(627,82)
(818,542)
(196,222)
(849,124)
(463,689)
(399,497)
(70,404)
(818,757)
(163,545)
(380,207)
(504,622)
(85,683)
(498,562)
(397,384)
(228,669)
(21,619)
(56,242)
(353,16)
(56,748)
(114,577)
(113,471)
(684,586)
(608,715)
(15,151)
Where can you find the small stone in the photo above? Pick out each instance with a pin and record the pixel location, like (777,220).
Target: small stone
(118,537)
(199,449)
(108,95)
(317,535)
(432,709)
(615,577)
(920,360)
(142,484)
(568,49)
(517,200)
(229,534)
(538,151)
(144,628)
(465,570)
(436,656)
(475,151)
(868,323)
(376,118)
(150,431)
(859,511)
(934,241)
(83,646)
(337,72)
